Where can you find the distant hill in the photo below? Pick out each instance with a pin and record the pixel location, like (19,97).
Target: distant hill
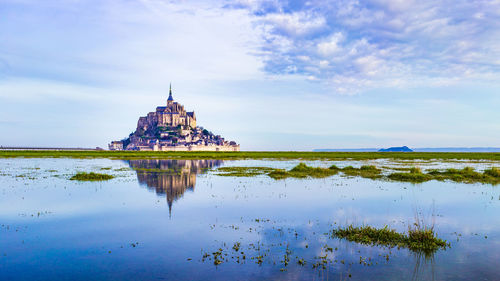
(424,149)
(396,149)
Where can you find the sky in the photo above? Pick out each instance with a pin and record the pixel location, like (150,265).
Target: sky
(271,75)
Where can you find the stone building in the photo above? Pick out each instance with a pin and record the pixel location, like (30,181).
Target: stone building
(172,128)
(172,115)
(116,145)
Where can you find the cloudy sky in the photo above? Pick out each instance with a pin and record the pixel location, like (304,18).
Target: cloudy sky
(272,75)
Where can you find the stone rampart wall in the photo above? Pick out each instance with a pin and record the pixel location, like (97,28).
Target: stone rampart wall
(200,148)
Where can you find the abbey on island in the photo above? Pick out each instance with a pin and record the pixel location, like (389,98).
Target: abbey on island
(172,128)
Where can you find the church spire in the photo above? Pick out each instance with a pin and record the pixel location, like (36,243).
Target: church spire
(170,98)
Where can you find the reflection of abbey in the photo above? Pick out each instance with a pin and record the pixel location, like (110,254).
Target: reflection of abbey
(171,178)
(171,128)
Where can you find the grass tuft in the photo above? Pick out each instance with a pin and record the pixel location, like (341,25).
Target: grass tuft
(303,171)
(410,177)
(492,172)
(279,174)
(244,171)
(83,176)
(414,175)
(415,170)
(370,172)
(465,175)
(417,240)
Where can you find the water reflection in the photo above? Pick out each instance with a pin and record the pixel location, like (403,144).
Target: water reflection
(51,228)
(424,268)
(171,178)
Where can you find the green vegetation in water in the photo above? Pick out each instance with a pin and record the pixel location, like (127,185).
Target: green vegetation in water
(244,171)
(83,176)
(299,171)
(248,155)
(414,174)
(465,175)
(418,239)
(405,169)
(492,172)
(304,171)
(370,172)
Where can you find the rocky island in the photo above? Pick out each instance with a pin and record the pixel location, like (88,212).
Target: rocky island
(396,149)
(172,128)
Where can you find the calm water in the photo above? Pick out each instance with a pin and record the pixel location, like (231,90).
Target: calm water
(147,225)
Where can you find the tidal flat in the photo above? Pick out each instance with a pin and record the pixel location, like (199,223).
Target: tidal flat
(252,219)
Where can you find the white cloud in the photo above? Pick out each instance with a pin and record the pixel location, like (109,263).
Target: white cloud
(295,24)
(324,64)
(331,45)
(396,5)
(369,65)
(383,42)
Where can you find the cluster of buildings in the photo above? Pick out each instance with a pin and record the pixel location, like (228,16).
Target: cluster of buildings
(172,128)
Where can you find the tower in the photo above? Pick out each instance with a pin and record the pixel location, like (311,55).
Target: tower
(170,99)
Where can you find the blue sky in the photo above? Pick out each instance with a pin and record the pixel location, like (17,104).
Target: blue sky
(272,75)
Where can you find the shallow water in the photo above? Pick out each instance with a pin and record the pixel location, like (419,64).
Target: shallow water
(150,225)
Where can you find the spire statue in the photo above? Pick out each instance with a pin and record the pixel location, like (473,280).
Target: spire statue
(170,98)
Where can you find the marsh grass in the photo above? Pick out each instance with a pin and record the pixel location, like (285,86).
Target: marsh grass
(403,169)
(299,171)
(492,172)
(304,171)
(418,239)
(365,171)
(244,171)
(415,170)
(83,176)
(414,175)
(279,174)
(465,175)
(410,177)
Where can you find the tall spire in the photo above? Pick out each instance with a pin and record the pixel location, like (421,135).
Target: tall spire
(170,98)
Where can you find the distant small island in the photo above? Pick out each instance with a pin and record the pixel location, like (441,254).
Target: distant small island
(171,128)
(396,149)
